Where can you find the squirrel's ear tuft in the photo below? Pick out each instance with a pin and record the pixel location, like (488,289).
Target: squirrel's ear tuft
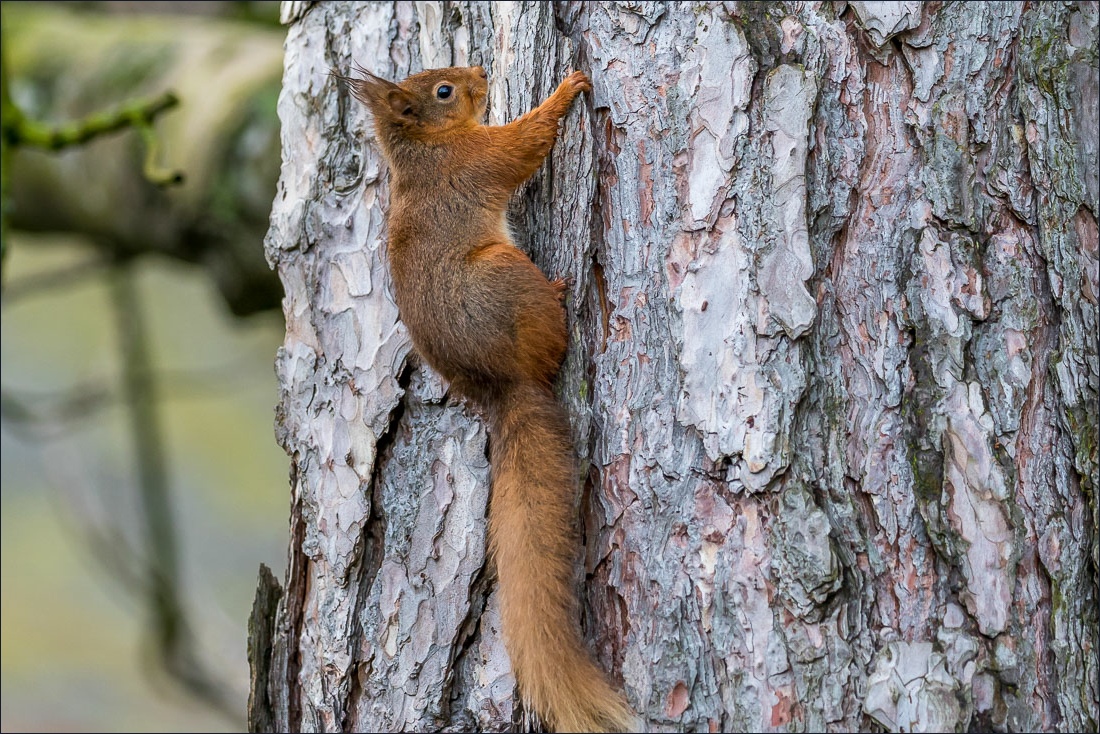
(369,89)
(403,104)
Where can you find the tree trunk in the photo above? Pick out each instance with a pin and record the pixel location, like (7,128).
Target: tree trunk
(833,369)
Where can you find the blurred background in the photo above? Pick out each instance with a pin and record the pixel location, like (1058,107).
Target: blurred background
(140,482)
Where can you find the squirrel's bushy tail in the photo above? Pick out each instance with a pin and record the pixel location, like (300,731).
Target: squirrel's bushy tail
(532,538)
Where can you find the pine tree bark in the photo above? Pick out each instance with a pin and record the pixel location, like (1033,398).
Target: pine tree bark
(833,369)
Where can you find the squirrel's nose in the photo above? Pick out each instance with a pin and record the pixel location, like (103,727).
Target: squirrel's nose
(481,72)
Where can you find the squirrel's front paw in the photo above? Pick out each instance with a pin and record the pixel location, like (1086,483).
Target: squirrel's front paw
(576,83)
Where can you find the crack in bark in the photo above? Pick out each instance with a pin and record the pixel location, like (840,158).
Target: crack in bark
(596,227)
(297,573)
(601,298)
(1046,338)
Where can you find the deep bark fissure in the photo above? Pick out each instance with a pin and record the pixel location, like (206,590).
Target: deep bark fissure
(598,288)
(294,602)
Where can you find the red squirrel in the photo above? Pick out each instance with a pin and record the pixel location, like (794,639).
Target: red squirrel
(487,319)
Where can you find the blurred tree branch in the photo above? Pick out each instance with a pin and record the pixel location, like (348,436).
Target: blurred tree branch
(137,113)
(78,178)
(169,620)
(28,285)
(17,129)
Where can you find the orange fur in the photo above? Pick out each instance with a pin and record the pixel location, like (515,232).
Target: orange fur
(489,321)
(531,536)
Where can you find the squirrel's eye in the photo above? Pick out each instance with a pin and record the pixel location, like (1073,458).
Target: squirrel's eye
(444,91)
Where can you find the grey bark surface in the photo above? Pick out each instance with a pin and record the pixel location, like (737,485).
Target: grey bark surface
(833,369)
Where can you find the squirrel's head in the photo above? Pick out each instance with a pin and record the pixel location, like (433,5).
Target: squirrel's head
(432,101)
